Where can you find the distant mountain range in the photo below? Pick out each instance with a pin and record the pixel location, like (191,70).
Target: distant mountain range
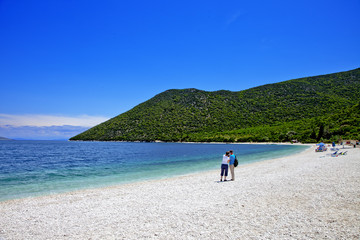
(308,109)
(3,138)
(63,132)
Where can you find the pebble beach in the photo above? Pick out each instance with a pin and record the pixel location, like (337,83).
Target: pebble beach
(309,195)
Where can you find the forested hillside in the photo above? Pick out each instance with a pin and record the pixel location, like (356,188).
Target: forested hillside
(308,109)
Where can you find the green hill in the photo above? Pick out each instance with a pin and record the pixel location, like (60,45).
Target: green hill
(308,109)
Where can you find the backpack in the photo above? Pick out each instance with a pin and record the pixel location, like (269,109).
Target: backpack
(236,162)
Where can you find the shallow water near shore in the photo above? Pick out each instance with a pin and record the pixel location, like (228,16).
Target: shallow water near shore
(33,168)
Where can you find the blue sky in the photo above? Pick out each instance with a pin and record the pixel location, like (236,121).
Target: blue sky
(74,64)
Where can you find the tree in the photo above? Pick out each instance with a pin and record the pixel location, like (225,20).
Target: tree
(321,132)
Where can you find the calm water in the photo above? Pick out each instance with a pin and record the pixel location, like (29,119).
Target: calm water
(31,168)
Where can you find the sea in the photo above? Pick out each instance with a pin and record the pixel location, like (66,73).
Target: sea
(35,168)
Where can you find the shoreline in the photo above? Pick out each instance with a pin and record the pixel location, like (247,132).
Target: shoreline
(243,161)
(159,141)
(307,195)
(136,182)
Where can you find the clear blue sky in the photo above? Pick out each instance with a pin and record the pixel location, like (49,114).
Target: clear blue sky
(101,58)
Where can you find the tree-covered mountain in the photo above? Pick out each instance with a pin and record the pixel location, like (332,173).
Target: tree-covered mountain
(309,109)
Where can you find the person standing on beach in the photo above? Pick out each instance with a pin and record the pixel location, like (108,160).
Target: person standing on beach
(224,166)
(231,165)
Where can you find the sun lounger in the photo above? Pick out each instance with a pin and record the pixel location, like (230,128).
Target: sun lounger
(335,154)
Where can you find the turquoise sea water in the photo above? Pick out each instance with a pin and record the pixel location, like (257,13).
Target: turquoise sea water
(32,168)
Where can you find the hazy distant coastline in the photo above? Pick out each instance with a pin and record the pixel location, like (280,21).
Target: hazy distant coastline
(5,139)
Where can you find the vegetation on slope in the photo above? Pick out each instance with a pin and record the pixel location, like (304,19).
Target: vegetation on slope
(308,109)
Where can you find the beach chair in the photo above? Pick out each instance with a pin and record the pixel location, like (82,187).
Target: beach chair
(335,154)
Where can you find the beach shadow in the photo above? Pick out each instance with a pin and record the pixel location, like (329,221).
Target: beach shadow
(223,181)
